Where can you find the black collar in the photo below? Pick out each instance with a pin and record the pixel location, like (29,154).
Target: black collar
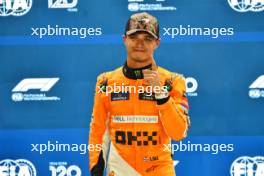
(134,73)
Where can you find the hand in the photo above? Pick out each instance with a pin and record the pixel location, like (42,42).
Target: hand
(151,77)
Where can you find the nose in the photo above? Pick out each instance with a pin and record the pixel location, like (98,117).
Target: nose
(140,42)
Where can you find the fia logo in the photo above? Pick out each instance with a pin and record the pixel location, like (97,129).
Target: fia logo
(15,7)
(18,167)
(257,88)
(248,166)
(247,5)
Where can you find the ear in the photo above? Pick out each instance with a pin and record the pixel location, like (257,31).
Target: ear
(124,38)
(157,43)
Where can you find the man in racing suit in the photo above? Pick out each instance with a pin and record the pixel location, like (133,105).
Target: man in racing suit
(131,125)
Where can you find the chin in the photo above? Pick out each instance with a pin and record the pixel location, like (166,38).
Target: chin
(140,59)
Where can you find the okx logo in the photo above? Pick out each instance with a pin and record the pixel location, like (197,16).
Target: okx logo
(256,89)
(14,7)
(247,5)
(20,167)
(26,89)
(248,166)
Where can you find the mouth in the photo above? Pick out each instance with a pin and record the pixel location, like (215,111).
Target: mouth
(139,49)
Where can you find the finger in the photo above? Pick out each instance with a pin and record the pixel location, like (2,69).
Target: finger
(148,79)
(146,71)
(146,83)
(154,66)
(149,76)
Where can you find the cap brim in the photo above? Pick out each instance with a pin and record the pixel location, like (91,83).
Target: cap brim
(139,30)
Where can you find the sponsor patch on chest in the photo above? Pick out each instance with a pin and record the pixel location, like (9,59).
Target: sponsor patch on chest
(147,96)
(135,119)
(119,96)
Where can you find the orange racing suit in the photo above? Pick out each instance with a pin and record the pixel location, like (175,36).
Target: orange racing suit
(132,128)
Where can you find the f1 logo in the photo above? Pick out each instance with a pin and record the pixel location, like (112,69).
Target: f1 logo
(256,88)
(258,83)
(44,84)
(175,162)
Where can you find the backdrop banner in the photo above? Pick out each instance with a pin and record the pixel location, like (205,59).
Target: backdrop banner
(51,52)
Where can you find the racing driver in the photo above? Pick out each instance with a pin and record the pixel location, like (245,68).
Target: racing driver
(132,127)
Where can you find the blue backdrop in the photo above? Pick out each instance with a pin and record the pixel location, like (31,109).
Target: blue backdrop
(217,45)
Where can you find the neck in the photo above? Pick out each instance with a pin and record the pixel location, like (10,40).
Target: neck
(134,73)
(138,64)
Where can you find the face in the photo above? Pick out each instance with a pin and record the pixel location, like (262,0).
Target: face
(140,46)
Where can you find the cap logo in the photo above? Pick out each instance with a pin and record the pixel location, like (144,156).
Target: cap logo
(145,20)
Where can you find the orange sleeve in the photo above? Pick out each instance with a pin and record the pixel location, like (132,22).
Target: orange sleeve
(98,132)
(174,113)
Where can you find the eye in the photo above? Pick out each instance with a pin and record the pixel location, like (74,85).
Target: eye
(149,39)
(132,36)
